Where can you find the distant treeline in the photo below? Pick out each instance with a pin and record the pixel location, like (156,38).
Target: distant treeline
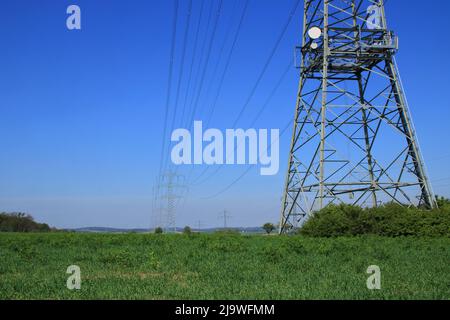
(21,222)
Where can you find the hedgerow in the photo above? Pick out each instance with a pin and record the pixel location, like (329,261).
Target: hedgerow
(391,220)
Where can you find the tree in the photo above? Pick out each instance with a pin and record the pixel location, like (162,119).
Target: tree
(187,230)
(158,230)
(268,227)
(20,222)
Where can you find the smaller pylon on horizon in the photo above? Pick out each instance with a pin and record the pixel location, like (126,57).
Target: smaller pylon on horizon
(224,215)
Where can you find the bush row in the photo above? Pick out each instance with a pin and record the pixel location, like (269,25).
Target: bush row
(391,220)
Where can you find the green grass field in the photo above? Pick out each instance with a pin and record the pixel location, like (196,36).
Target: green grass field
(143,266)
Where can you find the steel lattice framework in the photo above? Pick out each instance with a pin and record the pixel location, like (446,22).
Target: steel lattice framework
(353,139)
(166,196)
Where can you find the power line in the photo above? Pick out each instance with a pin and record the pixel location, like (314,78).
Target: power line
(194,55)
(441,179)
(258,115)
(208,55)
(439,158)
(219,58)
(442,185)
(247,170)
(200,59)
(261,75)
(194,102)
(227,62)
(272,93)
(180,78)
(169,85)
(253,91)
(268,61)
(222,78)
(196,87)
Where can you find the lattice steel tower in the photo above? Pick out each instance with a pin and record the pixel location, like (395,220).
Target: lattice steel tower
(167,195)
(353,139)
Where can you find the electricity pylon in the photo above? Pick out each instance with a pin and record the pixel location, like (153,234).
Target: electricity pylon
(224,215)
(167,195)
(353,139)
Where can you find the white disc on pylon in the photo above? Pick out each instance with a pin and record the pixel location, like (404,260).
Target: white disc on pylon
(314,33)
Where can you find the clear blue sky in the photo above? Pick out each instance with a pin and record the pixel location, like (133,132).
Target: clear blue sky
(81,112)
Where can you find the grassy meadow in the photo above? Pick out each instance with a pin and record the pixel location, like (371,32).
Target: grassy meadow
(221,266)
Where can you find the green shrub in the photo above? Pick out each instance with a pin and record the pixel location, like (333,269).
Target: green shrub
(391,220)
(227,232)
(187,230)
(443,202)
(158,230)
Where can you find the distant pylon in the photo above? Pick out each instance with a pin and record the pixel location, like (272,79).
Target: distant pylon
(167,194)
(353,139)
(224,215)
